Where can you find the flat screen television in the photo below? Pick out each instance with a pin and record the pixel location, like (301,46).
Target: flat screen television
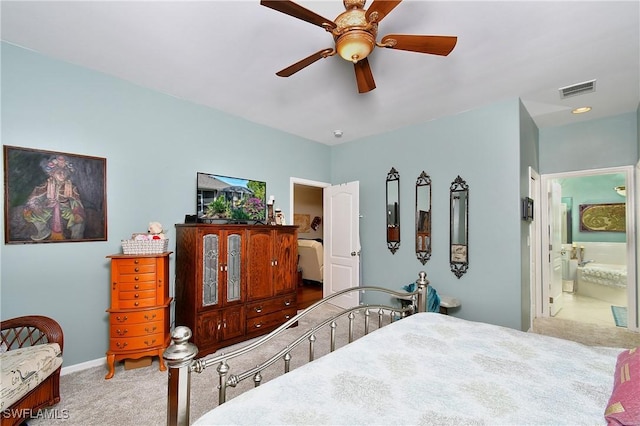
(226,199)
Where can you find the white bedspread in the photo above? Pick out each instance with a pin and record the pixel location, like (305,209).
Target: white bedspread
(432,369)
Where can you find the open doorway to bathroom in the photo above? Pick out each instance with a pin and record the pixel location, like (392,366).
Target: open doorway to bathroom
(594,250)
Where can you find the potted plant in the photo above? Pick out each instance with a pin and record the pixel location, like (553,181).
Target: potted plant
(217,209)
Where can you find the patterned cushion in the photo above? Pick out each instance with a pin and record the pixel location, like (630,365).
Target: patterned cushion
(25,368)
(624,405)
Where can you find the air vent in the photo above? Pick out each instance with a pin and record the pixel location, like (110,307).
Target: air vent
(577,89)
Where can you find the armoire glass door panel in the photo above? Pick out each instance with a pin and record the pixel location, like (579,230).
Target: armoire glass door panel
(234,242)
(210,270)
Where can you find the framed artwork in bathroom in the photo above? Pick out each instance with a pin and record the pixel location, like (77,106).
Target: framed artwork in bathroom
(609,217)
(53,197)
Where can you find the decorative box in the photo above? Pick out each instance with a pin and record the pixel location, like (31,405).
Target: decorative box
(144,246)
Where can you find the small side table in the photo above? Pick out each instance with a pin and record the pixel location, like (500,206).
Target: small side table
(448,302)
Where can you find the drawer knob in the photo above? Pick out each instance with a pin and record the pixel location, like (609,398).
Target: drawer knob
(137,278)
(287,316)
(136,303)
(136,261)
(137,269)
(258,325)
(122,332)
(121,345)
(148,318)
(258,309)
(122,319)
(287,302)
(150,331)
(146,342)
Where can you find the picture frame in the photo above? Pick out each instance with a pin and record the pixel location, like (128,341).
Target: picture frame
(527,209)
(603,217)
(53,197)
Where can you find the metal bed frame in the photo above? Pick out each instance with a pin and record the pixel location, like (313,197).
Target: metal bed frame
(180,355)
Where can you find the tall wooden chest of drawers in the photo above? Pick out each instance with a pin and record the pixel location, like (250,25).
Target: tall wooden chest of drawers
(139,313)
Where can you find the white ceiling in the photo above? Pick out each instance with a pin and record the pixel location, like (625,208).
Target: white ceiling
(224,54)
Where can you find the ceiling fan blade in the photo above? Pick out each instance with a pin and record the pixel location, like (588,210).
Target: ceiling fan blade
(364,76)
(382,7)
(293,9)
(435,45)
(292,69)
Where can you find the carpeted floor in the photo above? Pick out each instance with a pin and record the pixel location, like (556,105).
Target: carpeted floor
(138,397)
(585,333)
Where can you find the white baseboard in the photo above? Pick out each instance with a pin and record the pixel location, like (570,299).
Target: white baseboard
(83,366)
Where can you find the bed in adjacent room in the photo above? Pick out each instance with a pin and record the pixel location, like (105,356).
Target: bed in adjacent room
(429,368)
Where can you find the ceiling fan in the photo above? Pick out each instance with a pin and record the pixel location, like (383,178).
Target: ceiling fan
(354,32)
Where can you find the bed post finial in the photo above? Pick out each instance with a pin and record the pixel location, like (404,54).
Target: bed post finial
(422,282)
(178,357)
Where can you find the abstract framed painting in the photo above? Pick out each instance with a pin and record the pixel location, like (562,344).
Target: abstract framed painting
(53,197)
(603,217)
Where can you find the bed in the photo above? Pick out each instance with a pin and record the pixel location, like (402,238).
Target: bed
(422,368)
(310,260)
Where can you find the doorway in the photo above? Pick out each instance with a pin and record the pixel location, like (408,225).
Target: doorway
(597,260)
(336,219)
(306,211)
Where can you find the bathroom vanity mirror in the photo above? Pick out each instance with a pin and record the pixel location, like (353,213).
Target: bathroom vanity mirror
(459,231)
(423,217)
(393,210)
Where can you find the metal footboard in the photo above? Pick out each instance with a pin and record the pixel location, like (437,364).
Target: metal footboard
(180,355)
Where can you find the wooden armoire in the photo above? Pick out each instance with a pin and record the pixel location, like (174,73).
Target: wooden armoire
(234,282)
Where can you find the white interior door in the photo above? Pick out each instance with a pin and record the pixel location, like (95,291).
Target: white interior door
(342,241)
(555,248)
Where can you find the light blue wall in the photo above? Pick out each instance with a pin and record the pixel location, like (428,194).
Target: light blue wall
(482,146)
(595,144)
(154,145)
(529,155)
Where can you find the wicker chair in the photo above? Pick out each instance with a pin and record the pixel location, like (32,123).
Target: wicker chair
(29,331)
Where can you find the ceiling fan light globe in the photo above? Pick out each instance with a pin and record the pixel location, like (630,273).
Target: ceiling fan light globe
(355,45)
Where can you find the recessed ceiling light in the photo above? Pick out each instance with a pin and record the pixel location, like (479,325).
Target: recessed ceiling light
(581,110)
(337,133)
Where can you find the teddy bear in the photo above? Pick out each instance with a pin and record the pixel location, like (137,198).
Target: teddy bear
(155,231)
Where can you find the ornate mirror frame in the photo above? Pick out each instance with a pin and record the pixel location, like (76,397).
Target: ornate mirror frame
(423,217)
(459,227)
(393,210)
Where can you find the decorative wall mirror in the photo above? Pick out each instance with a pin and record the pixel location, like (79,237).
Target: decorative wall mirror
(459,232)
(423,217)
(393,210)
